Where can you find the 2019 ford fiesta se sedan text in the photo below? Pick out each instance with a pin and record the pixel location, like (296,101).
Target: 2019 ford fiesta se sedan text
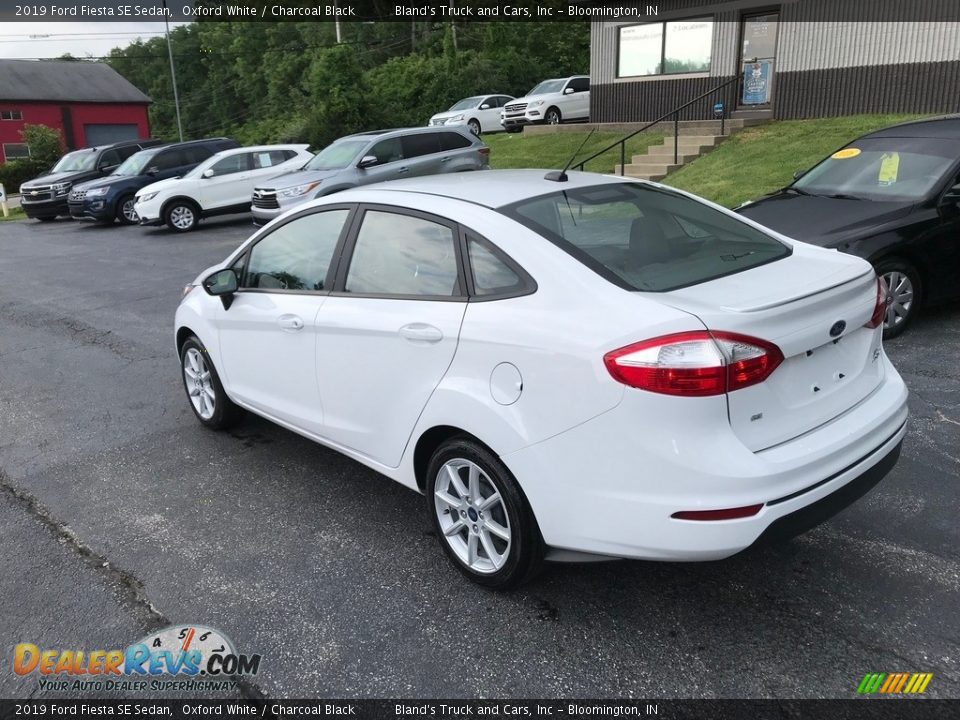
(566,366)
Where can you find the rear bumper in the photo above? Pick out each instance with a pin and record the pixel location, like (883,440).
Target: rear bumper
(646,462)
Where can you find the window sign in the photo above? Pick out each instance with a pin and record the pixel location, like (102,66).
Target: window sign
(756,82)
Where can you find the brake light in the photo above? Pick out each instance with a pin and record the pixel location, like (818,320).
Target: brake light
(484,151)
(880,308)
(694,364)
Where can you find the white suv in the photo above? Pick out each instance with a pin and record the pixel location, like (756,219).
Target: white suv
(551,102)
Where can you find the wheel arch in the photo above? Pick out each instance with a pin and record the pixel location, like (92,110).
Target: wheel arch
(183,333)
(169,201)
(906,255)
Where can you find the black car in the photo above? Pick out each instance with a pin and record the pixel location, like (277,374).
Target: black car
(44,198)
(891,197)
(112,197)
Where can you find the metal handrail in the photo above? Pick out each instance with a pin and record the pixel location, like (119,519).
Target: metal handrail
(622,142)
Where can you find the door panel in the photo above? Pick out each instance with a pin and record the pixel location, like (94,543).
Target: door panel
(231,183)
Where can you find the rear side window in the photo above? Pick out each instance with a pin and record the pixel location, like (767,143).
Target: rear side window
(403,255)
(167,160)
(491,274)
(420,144)
(297,255)
(196,154)
(648,239)
(453,141)
(269,158)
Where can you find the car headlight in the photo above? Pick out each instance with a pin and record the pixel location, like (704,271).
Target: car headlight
(97,192)
(62,188)
(146,198)
(298,190)
(455,118)
(187,289)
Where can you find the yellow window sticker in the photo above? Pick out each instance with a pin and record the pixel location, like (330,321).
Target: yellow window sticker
(846,154)
(889,167)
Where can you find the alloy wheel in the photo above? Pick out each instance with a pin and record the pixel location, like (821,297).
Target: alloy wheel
(553,117)
(181,217)
(899,298)
(199,383)
(129,214)
(472,515)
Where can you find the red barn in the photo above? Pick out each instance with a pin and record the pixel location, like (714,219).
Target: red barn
(89,102)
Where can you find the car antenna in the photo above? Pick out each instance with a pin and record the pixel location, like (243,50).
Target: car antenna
(561,175)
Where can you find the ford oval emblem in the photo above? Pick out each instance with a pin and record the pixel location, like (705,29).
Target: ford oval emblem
(838,327)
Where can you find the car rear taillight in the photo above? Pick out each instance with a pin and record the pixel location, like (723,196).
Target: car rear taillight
(484,151)
(725,514)
(695,364)
(880,308)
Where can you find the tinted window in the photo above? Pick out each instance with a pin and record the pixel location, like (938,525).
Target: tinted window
(231,164)
(491,275)
(296,256)
(403,255)
(127,151)
(269,158)
(645,238)
(196,154)
(387,151)
(420,144)
(580,84)
(453,141)
(167,160)
(110,158)
(503,100)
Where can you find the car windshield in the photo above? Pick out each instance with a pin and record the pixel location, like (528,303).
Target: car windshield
(336,156)
(466,103)
(643,238)
(547,86)
(898,169)
(78,161)
(134,164)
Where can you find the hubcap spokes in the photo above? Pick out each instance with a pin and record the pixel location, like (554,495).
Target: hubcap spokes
(199,383)
(182,217)
(128,212)
(899,298)
(473,516)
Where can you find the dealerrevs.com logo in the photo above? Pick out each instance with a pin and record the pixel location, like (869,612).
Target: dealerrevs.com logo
(194,656)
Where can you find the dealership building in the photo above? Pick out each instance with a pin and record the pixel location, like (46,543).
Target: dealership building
(792,59)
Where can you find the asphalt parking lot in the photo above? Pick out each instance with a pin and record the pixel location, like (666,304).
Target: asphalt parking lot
(119,514)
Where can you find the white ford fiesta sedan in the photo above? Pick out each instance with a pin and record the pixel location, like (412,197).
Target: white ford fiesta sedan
(568,368)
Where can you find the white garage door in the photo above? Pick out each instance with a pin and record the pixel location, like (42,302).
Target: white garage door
(106,134)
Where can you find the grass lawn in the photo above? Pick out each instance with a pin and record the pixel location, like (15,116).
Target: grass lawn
(762,159)
(15,214)
(553,150)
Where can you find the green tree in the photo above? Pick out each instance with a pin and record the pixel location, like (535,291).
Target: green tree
(45,143)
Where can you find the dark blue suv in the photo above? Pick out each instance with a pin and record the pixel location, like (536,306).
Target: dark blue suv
(111,198)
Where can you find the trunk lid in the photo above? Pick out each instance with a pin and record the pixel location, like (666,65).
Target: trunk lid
(795,303)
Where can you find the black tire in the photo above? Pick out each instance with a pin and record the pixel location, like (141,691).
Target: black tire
(896,269)
(225,413)
(513,130)
(525,553)
(184,209)
(474,127)
(47,218)
(121,213)
(552,116)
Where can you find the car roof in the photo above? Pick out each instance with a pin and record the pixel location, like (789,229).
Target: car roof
(944,126)
(262,148)
(397,132)
(495,188)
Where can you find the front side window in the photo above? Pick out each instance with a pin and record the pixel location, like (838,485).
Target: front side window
(403,255)
(297,255)
(681,46)
(387,151)
(581,84)
(644,238)
(895,169)
(231,164)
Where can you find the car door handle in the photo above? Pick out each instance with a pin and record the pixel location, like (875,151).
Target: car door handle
(290,322)
(401,171)
(446,159)
(421,332)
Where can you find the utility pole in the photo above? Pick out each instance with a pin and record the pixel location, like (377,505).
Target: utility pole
(173,72)
(453,30)
(336,21)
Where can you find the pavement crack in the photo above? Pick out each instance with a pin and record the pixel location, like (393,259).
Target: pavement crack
(132,590)
(943,418)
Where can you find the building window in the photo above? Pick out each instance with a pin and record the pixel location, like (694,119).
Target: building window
(666,48)
(15,151)
(11,115)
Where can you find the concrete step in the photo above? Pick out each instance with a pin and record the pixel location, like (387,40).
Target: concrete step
(647,168)
(684,156)
(693,140)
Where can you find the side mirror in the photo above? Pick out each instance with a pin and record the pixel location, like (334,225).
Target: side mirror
(367,161)
(485,106)
(208,173)
(951,198)
(222,284)
(153,170)
(799,174)
(568,91)
(105,169)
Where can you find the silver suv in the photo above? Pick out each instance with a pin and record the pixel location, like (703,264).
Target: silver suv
(371,157)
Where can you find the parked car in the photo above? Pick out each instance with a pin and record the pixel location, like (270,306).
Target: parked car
(551,102)
(112,198)
(480,113)
(220,185)
(45,197)
(891,197)
(566,369)
(368,158)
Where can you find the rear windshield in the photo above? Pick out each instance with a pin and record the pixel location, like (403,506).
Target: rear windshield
(644,238)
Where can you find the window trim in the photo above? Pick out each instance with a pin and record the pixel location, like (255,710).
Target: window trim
(663,49)
(334,261)
(527,285)
(7,158)
(12,112)
(346,256)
